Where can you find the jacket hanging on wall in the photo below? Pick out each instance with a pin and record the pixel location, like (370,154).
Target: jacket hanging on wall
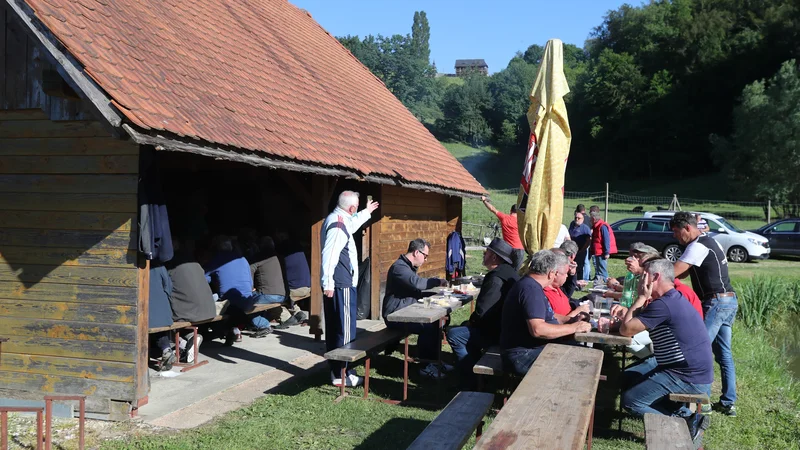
(155,240)
(456,263)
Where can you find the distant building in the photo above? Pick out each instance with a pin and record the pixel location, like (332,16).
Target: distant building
(465,66)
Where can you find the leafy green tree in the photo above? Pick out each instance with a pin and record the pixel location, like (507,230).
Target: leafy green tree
(464,107)
(421,36)
(510,89)
(762,157)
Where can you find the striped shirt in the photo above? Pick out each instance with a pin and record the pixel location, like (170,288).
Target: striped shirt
(680,339)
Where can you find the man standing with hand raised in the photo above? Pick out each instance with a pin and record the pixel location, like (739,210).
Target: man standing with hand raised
(340,277)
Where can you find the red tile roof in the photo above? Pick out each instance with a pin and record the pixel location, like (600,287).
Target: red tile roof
(260,75)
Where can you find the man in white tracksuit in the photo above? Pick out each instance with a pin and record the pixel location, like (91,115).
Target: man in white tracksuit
(340,277)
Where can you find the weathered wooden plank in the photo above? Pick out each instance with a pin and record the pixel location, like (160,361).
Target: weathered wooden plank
(141,382)
(16,69)
(51,220)
(62,329)
(20,114)
(491,363)
(438,202)
(666,433)
(415,212)
(3,13)
(68,256)
(389,225)
(452,428)
(84,312)
(83,240)
(68,367)
(118,164)
(70,348)
(63,146)
(54,384)
(53,292)
(35,95)
(365,343)
(596,337)
(552,405)
(73,184)
(390,191)
(50,129)
(41,273)
(408,236)
(68,202)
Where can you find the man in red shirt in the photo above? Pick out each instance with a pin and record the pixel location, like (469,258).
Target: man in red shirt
(508,223)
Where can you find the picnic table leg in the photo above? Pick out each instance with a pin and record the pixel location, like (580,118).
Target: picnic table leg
(405,368)
(4,430)
(342,393)
(366,379)
(591,426)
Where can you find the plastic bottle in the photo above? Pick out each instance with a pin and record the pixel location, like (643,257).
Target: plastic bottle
(629,287)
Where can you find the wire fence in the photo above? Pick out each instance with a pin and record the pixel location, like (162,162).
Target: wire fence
(479,223)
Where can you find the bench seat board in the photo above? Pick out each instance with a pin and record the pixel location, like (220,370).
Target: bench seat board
(666,433)
(365,343)
(490,363)
(690,398)
(182,324)
(552,405)
(452,428)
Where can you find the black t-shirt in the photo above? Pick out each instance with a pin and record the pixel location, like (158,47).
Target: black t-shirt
(709,268)
(525,301)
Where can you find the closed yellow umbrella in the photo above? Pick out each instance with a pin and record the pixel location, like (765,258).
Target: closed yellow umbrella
(541,195)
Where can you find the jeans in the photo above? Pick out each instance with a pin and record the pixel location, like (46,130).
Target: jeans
(719,322)
(247,303)
(520,360)
(467,344)
(583,269)
(428,344)
(651,394)
(600,267)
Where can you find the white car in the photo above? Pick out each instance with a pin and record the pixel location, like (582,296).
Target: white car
(739,245)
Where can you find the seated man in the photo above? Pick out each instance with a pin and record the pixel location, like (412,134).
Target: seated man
(528,320)
(562,309)
(403,288)
(483,329)
(231,273)
(297,272)
(570,249)
(681,344)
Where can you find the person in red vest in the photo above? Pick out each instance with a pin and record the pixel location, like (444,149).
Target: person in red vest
(508,223)
(603,245)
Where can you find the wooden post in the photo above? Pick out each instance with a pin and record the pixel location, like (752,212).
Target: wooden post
(321,191)
(605,218)
(375,261)
(769,211)
(142,319)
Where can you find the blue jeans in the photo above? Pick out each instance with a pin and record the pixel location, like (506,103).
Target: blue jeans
(247,303)
(520,360)
(584,266)
(428,341)
(600,267)
(651,395)
(719,322)
(467,345)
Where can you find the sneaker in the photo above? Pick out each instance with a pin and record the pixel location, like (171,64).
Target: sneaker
(291,321)
(350,381)
(698,424)
(729,410)
(167,360)
(431,371)
(705,409)
(262,332)
(301,316)
(190,346)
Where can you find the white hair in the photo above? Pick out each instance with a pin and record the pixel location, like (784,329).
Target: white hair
(348,199)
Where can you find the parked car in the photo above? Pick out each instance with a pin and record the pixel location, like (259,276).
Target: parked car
(653,232)
(739,245)
(783,236)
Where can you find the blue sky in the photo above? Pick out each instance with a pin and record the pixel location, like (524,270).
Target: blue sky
(490,29)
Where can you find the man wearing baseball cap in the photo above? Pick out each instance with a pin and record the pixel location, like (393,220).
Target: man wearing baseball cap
(483,328)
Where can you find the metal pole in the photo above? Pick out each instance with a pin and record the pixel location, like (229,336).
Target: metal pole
(605,217)
(769,211)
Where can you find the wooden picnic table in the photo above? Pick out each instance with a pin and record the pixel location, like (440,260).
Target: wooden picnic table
(595,337)
(553,405)
(418,313)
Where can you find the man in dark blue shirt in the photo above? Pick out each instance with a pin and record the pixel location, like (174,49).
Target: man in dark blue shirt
(680,343)
(528,320)
(581,233)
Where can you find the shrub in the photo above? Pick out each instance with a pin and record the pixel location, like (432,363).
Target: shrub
(760,298)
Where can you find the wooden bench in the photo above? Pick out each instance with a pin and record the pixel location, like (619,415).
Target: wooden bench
(553,406)
(364,346)
(454,425)
(180,325)
(666,433)
(691,399)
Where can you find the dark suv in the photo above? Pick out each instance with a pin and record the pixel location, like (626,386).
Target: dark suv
(783,235)
(653,232)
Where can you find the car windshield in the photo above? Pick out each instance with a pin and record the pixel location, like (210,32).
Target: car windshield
(729,225)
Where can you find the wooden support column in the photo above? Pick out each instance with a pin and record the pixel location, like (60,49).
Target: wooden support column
(142,319)
(375,258)
(321,191)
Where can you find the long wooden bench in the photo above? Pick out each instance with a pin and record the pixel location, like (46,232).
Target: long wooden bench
(691,399)
(666,433)
(364,346)
(453,426)
(180,325)
(553,406)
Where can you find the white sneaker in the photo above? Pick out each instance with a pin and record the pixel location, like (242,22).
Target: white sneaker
(431,371)
(351,381)
(190,347)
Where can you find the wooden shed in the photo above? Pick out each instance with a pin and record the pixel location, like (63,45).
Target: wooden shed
(257,88)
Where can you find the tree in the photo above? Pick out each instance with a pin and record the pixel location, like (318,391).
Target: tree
(421,36)
(763,155)
(464,107)
(510,89)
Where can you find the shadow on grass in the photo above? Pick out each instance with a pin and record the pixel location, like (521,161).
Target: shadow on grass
(397,433)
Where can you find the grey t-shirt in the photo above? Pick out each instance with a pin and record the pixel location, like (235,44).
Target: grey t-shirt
(191,295)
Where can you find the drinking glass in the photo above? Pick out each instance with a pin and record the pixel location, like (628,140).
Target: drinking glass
(427,302)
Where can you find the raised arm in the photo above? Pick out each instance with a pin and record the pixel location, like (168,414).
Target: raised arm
(488,205)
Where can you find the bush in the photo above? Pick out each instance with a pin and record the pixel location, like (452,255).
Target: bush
(760,298)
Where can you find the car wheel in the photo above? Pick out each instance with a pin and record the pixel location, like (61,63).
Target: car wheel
(672,252)
(738,254)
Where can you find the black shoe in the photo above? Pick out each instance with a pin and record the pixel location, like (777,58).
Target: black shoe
(291,321)
(698,423)
(230,338)
(167,360)
(262,332)
(729,410)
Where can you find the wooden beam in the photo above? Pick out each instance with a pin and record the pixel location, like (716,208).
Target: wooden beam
(298,189)
(141,385)
(67,66)
(375,260)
